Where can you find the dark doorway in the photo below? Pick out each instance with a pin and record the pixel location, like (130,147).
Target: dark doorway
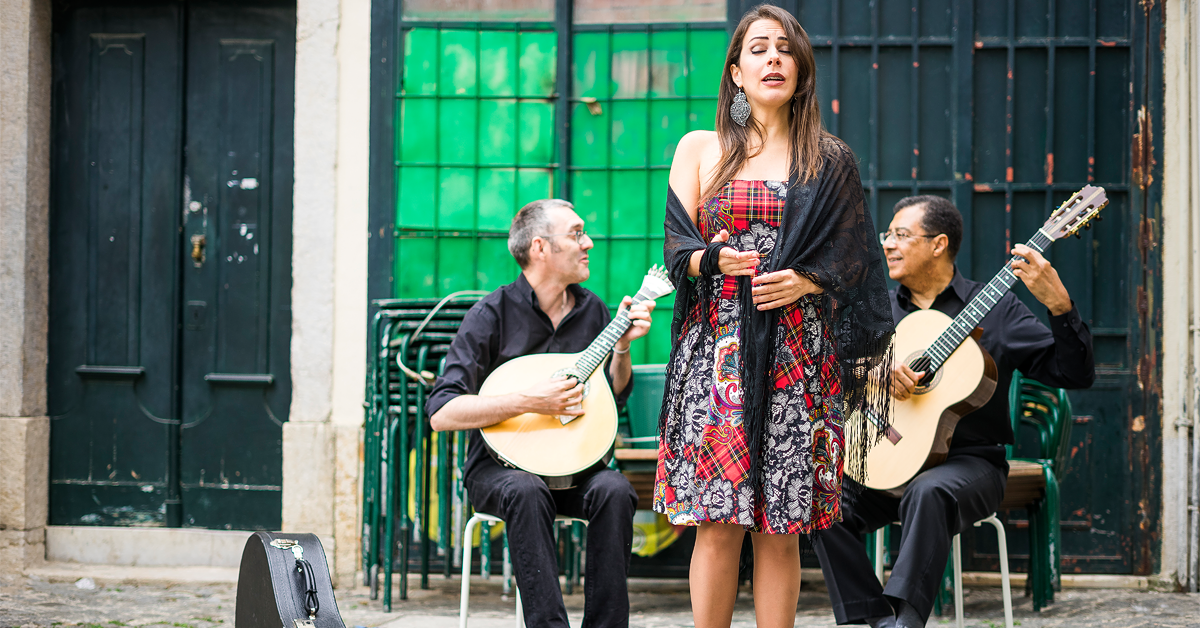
(170,269)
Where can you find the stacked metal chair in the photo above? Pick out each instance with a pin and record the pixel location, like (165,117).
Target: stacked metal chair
(407,344)
(1048,411)
(413,496)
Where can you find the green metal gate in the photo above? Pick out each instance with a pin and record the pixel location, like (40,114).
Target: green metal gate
(1004,106)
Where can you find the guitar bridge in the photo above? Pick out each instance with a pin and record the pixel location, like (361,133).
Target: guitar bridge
(890,433)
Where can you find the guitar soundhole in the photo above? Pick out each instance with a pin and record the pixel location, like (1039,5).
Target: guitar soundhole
(920,362)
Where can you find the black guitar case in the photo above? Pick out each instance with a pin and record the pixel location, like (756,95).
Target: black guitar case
(284,582)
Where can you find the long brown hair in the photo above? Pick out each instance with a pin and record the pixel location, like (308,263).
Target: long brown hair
(804,128)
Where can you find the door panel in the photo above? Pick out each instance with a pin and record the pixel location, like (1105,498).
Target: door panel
(235,379)
(111,371)
(139,334)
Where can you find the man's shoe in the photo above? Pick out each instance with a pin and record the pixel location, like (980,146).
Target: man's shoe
(886,621)
(908,617)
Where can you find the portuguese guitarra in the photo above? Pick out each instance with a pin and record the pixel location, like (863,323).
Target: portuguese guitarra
(557,447)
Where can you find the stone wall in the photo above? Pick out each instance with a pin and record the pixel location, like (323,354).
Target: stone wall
(24,250)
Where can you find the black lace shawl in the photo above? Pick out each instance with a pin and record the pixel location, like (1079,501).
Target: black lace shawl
(825,234)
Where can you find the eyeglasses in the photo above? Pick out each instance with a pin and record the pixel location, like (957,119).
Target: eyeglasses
(901,236)
(578,235)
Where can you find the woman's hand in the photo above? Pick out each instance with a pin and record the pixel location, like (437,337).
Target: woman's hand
(734,262)
(780,288)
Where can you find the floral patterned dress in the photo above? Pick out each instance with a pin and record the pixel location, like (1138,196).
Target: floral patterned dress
(703,455)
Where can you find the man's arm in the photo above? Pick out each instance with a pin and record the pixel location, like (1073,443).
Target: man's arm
(468,412)
(453,404)
(1067,360)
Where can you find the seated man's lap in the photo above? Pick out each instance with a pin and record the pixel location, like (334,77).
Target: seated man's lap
(966,486)
(501,491)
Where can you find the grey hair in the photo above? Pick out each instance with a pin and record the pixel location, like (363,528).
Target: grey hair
(529,223)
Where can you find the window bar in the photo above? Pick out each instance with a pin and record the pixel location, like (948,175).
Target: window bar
(516,189)
(608,94)
(1051,74)
(1008,133)
(437,170)
(563,79)
(1091,97)
(835,69)
(873,115)
(641,346)
(476,174)
(962,95)
(915,101)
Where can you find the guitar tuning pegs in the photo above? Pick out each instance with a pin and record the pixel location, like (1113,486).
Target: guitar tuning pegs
(1087,225)
(1078,235)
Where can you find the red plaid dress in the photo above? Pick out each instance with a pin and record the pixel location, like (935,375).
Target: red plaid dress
(703,453)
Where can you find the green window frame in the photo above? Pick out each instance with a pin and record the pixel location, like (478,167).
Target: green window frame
(479,133)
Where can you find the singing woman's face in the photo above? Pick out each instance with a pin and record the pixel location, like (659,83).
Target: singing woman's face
(765,70)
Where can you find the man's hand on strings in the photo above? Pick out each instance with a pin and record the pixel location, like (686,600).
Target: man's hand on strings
(557,395)
(904,381)
(640,316)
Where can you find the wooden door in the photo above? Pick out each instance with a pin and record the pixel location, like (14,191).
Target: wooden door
(170,265)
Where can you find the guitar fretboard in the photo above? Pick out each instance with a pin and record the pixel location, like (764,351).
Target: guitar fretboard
(594,355)
(968,319)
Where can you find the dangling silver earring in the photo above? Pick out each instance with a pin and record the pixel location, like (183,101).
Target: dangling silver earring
(740,109)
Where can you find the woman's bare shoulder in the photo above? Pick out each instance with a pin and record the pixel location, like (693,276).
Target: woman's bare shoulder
(696,143)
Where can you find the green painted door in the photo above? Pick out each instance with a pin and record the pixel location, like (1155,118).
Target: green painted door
(1007,107)
(170,278)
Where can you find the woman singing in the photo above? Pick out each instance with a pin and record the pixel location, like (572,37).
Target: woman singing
(781,317)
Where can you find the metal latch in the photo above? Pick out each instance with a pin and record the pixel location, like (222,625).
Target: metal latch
(198,241)
(303,623)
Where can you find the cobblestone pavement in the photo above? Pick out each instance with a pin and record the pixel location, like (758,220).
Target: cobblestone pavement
(34,602)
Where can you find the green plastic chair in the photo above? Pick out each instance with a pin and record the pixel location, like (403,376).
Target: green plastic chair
(639,419)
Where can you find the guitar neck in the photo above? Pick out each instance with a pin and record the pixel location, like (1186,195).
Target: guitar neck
(968,319)
(594,355)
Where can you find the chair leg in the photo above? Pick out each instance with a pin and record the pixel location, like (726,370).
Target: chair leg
(1004,585)
(879,549)
(507,567)
(468,535)
(956,553)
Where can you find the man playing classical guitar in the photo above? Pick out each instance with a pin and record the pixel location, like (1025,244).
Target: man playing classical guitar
(920,246)
(544,311)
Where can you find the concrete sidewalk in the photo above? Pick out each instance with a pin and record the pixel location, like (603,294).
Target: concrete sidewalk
(54,600)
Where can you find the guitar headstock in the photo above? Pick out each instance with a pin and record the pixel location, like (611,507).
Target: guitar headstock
(1076,212)
(655,284)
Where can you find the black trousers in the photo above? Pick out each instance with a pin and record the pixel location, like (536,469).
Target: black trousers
(605,499)
(936,505)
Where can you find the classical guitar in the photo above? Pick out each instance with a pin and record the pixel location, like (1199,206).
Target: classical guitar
(960,376)
(557,447)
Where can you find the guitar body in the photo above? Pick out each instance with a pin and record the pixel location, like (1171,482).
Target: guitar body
(539,443)
(926,421)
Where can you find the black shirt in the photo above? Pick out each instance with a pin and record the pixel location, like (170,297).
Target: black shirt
(1060,356)
(508,324)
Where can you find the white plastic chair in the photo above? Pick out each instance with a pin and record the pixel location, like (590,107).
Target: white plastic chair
(956,556)
(468,539)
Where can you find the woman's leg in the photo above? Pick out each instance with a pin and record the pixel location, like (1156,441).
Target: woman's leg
(714,572)
(776,579)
